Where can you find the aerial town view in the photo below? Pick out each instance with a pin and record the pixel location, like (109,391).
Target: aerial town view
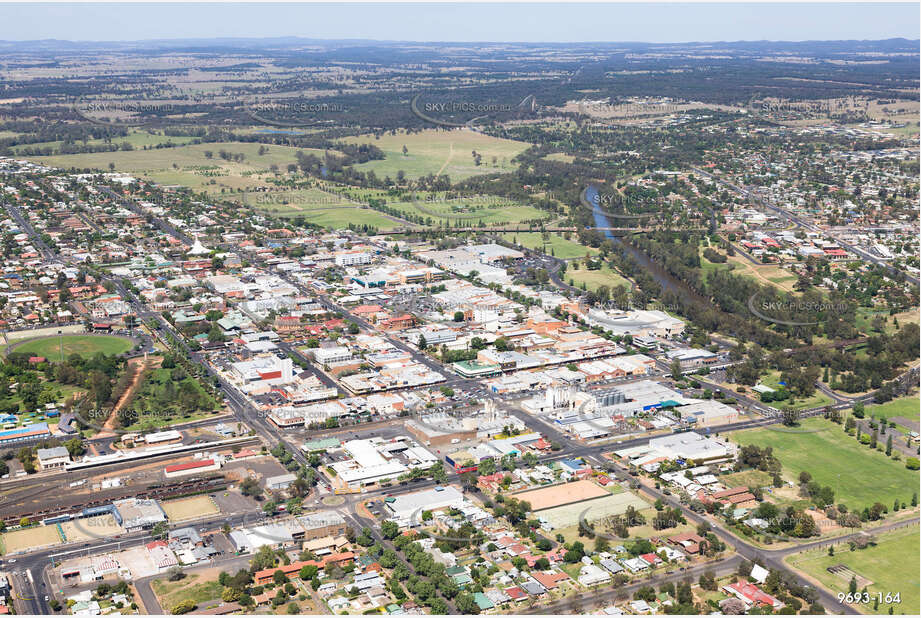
(441,309)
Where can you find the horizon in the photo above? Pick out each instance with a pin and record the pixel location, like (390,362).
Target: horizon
(509,23)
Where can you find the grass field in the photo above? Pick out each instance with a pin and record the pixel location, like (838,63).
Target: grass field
(560,156)
(554,244)
(817,399)
(189,508)
(138,138)
(190,166)
(858,475)
(170,593)
(86,346)
(592,510)
(892,566)
(440,152)
(473,210)
(909,407)
(593,279)
(706,266)
(770,274)
(29,538)
(747,478)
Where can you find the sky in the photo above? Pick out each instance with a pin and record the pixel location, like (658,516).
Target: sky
(510,22)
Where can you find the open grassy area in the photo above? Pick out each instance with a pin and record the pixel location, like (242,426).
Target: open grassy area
(163,400)
(906,408)
(170,593)
(858,475)
(341,218)
(138,138)
(560,156)
(86,346)
(817,399)
(553,244)
(770,274)
(593,279)
(190,166)
(707,266)
(747,478)
(447,152)
(892,566)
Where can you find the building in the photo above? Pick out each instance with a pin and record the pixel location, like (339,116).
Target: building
(52,458)
(322,524)
(692,358)
(137,514)
(407,508)
(280,482)
(690,445)
(352,258)
(752,595)
(191,467)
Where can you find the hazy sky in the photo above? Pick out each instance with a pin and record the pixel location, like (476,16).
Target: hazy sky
(656,22)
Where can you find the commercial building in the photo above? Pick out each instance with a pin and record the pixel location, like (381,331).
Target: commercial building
(322,524)
(137,514)
(407,509)
(52,458)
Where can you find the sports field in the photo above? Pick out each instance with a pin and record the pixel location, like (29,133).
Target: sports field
(189,508)
(858,475)
(892,566)
(440,152)
(29,538)
(91,528)
(86,346)
(592,510)
(554,244)
(564,493)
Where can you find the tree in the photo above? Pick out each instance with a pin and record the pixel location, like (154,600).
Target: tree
(458,316)
(390,530)
(174,574)
(790,416)
(161,529)
(889,445)
(676,369)
(182,607)
(422,344)
(465,603)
